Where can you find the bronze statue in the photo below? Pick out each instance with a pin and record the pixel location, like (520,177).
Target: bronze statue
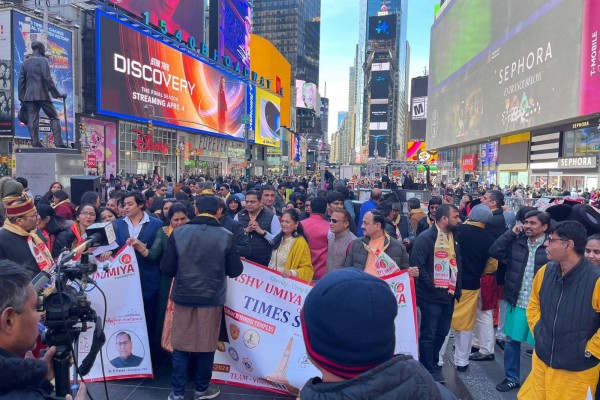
(35,87)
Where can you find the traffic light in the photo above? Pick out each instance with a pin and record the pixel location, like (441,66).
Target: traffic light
(150,127)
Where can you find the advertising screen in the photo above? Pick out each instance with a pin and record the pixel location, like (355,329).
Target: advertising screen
(155,81)
(307,95)
(186,16)
(503,66)
(418,107)
(59,49)
(382,27)
(378,113)
(6,76)
(380,84)
(378,143)
(268,106)
(417,151)
(230,29)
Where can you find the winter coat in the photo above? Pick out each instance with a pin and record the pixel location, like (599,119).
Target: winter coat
(357,254)
(23,379)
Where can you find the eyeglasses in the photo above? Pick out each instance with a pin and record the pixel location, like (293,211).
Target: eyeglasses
(554,240)
(87,214)
(125,343)
(29,216)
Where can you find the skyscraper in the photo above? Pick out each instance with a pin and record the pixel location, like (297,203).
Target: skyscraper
(370,8)
(294,27)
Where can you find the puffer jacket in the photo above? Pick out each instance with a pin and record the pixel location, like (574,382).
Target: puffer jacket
(200,255)
(23,379)
(514,250)
(398,379)
(357,254)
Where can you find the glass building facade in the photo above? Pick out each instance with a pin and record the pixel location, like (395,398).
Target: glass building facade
(294,27)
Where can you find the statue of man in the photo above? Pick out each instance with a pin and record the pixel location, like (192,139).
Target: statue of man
(35,87)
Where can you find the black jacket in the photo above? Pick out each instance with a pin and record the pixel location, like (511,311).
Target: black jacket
(23,379)
(200,255)
(423,224)
(422,257)
(474,244)
(514,250)
(261,248)
(63,240)
(497,225)
(401,378)
(242,241)
(357,254)
(15,248)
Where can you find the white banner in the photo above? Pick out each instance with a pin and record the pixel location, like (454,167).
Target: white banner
(266,346)
(126,353)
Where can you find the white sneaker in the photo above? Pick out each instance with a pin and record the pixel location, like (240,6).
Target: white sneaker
(173,396)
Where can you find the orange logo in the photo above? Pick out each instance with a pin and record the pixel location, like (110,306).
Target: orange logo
(125,259)
(438,267)
(441,254)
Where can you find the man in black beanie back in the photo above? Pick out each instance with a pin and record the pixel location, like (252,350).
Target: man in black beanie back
(349,332)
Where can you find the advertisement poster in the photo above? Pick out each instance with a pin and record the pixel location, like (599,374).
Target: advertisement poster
(230,28)
(184,15)
(59,49)
(268,106)
(155,81)
(6,74)
(382,27)
(307,95)
(266,348)
(126,352)
(99,142)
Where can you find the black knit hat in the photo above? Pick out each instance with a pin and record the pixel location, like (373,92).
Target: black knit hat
(348,322)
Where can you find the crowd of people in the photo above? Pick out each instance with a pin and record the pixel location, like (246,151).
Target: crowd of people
(484,274)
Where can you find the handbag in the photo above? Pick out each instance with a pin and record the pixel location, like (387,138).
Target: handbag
(489,299)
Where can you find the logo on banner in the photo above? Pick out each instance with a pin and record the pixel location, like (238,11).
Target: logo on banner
(235,331)
(248,364)
(233,354)
(126,259)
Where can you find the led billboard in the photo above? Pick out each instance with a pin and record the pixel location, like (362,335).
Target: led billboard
(186,16)
(307,95)
(382,27)
(59,49)
(378,113)
(503,66)
(418,108)
(153,80)
(6,76)
(267,118)
(230,29)
(380,84)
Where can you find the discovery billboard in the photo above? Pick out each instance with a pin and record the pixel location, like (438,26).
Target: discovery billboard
(153,80)
(186,16)
(505,66)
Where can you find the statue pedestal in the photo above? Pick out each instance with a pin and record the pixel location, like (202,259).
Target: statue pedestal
(42,166)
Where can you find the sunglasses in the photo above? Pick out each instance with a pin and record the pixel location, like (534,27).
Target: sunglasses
(333,220)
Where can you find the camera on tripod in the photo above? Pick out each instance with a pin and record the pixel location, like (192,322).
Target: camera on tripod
(68,309)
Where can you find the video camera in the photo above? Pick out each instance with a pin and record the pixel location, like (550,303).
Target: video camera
(67,305)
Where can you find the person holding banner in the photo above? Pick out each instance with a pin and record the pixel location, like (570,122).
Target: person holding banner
(436,253)
(375,245)
(291,255)
(200,255)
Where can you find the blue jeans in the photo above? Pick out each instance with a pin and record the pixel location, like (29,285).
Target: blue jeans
(203,371)
(512,359)
(435,324)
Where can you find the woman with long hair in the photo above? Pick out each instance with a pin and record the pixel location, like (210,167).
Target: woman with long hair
(291,255)
(50,225)
(90,197)
(47,198)
(234,206)
(62,205)
(86,215)
(107,214)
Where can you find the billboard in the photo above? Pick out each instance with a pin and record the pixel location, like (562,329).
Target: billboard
(378,143)
(307,96)
(6,76)
(382,27)
(153,80)
(418,108)
(99,144)
(417,151)
(380,84)
(501,67)
(59,49)
(378,113)
(267,118)
(186,16)
(230,28)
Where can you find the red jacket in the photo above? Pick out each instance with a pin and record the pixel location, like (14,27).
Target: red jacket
(316,230)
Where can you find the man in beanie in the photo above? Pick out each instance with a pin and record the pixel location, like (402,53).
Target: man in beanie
(525,251)
(349,332)
(20,241)
(437,288)
(474,242)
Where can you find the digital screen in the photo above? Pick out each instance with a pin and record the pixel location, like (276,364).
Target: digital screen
(267,122)
(59,49)
(378,143)
(230,29)
(184,15)
(307,95)
(418,108)
(501,67)
(379,113)
(382,27)
(155,81)
(380,84)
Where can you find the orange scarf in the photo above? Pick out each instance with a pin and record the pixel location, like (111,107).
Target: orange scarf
(38,248)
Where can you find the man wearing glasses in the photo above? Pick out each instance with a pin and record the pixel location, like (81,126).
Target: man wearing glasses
(224,191)
(126,357)
(339,239)
(563,314)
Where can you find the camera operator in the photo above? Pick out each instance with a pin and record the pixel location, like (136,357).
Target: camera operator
(22,377)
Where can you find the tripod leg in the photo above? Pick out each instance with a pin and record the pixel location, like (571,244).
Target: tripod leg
(62,364)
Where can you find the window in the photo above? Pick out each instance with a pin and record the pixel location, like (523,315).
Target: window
(581,142)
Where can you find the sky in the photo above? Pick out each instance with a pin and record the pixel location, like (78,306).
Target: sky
(339,36)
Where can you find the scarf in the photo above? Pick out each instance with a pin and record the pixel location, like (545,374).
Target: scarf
(168,230)
(473,223)
(445,268)
(55,206)
(211,216)
(38,248)
(78,239)
(383,264)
